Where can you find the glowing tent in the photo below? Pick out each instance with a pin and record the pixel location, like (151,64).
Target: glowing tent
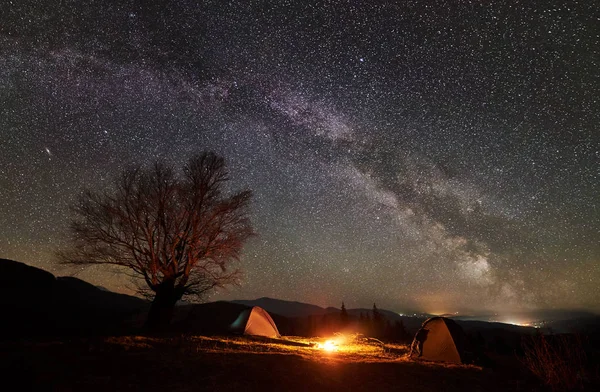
(439,339)
(255,321)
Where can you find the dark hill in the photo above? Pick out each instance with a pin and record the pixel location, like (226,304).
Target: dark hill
(284,308)
(36,303)
(213,318)
(294,309)
(412,323)
(98,298)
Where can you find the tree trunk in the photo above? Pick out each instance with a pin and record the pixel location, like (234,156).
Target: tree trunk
(161,310)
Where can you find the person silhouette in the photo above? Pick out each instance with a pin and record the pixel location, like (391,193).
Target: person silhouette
(417,345)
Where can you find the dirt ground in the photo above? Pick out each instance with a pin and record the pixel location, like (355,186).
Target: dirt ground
(203,364)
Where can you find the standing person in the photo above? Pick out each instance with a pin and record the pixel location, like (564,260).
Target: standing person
(417,344)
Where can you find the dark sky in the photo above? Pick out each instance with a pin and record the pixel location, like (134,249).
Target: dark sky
(432,155)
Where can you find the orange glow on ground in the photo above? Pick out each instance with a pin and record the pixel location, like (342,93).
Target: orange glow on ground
(346,348)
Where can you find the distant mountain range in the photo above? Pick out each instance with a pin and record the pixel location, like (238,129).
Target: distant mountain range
(286,308)
(294,309)
(558,321)
(36,303)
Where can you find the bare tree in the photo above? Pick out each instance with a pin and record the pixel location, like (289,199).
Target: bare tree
(177,232)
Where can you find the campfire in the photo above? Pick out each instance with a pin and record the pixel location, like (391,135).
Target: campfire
(329,345)
(352,343)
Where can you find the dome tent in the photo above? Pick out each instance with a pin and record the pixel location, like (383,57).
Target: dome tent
(439,339)
(255,321)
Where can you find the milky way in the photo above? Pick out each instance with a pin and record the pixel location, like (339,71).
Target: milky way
(418,154)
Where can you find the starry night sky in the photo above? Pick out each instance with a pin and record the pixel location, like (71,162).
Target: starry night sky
(433,155)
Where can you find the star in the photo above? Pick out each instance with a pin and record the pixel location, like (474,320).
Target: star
(397,155)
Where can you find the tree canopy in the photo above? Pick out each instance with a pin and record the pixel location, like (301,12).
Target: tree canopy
(178,232)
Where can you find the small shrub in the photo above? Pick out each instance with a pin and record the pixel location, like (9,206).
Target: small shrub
(558,360)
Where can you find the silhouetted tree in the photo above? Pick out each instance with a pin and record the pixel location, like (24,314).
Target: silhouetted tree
(344,316)
(327,324)
(177,232)
(362,323)
(366,324)
(313,325)
(378,323)
(376,314)
(388,331)
(400,332)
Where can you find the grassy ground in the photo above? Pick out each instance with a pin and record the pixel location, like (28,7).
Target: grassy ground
(240,364)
